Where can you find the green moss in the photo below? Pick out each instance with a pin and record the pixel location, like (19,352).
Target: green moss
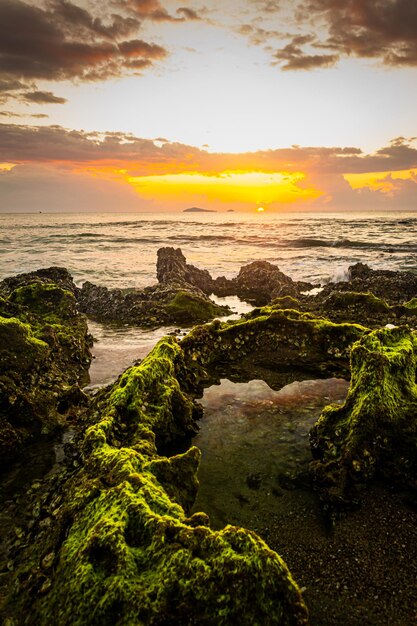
(19,348)
(44,354)
(286,302)
(187,307)
(126,553)
(48,301)
(280,340)
(411,304)
(375,431)
(367,302)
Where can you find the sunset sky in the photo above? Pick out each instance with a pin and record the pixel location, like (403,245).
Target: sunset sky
(151,105)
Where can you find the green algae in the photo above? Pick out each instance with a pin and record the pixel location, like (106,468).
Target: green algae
(270,338)
(125,550)
(187,307)
(44,353)
(375,431)
(411,304)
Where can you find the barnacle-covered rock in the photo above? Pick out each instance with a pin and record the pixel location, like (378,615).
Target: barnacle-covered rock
(375,431)
(124,549)
(44,357)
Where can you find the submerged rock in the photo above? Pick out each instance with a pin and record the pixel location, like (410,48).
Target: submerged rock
(44,357)
(375,431)
(120,548)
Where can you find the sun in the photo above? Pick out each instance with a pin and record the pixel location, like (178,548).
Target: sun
(260,209)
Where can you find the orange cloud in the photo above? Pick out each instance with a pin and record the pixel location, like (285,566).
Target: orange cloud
(380,181)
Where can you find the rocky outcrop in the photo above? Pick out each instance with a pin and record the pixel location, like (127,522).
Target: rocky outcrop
(44,358)
(179,298)
(51,275)
(392,286)
(351,306)
(375,431)
(120,547)
(257,282)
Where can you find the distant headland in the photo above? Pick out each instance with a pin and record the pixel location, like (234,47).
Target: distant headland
(196,209)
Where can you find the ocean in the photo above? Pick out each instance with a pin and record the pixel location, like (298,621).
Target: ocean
(119,250)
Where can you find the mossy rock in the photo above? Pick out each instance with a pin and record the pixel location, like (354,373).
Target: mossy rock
(375,431)
(44,355)
(188,307)
(121,548)
(279,340)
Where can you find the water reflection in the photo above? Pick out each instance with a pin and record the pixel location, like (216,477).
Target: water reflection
(254,444)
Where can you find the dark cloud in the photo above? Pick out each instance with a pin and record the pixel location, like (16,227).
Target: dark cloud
(385,30)
(62,41)
(12,114)
(292,56)
(153,10)
(42,97)
(382,29)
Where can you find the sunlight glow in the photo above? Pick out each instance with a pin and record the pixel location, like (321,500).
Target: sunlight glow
(380,181)
(245,188)
(7,167)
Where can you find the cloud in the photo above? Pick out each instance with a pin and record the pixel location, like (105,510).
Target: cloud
(42,97)
(324,31)
(51,159)
(13,114)
(45,188)
(63,41)
(292,56)
(386,29)
(54,144)
(154,11)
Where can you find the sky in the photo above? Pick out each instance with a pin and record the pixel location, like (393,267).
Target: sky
(160,105)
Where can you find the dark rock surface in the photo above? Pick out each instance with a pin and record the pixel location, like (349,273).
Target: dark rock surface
(392,286)
(180,297)
(44,358)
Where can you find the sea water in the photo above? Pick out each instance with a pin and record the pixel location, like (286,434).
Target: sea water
(119,250)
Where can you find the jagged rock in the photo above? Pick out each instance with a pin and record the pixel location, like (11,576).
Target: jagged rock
(177,299)
(172,267)
(350,306)
(44,357)
(56,275)
(375,431)
(259,281)
(392,286)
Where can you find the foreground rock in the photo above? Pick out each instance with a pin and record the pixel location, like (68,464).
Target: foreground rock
(119,547)
(44,357)
(375,431)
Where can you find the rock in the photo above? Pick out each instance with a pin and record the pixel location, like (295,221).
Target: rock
(260,282)
(121,548)
(52,275)
(268,342)
(179,298)
(44,357)
(392,286)
(375,430)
